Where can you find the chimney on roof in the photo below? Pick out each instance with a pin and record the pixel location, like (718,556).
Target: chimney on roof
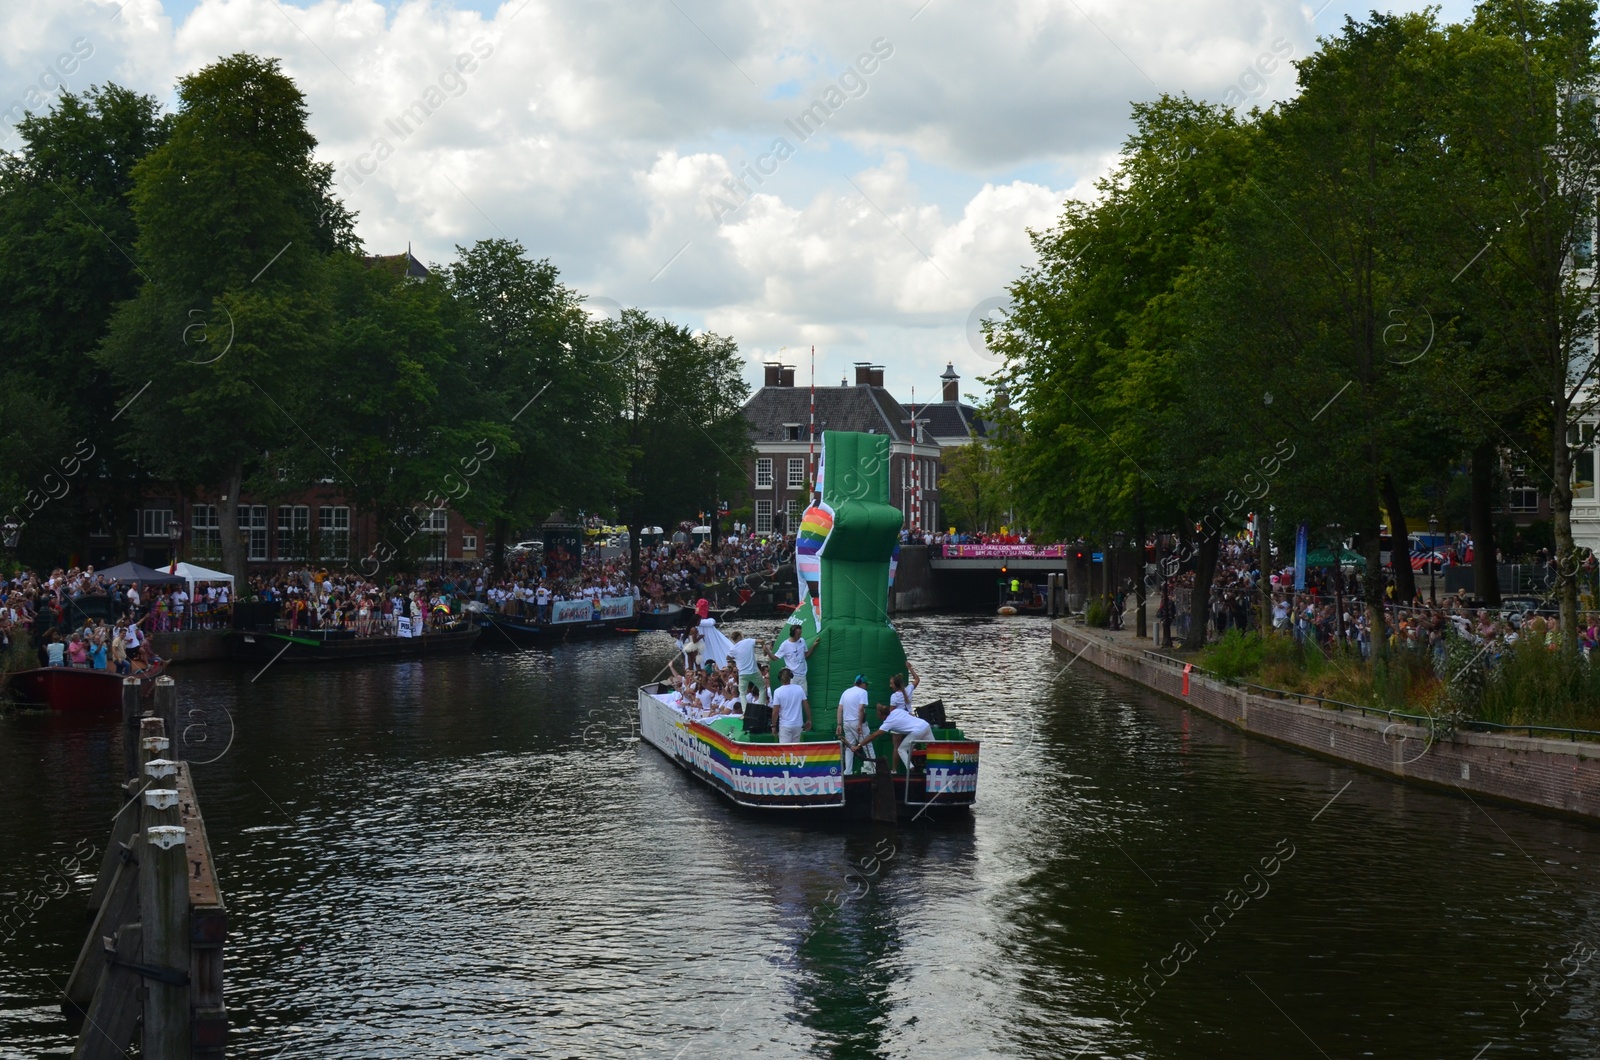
(774,374)
(952,383)
(869,374)
(788,376)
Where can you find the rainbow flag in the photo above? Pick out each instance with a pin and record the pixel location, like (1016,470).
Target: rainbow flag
(816,523)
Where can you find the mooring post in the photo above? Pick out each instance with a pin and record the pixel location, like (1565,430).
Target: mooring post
(167,711)
(164,917)
(131,690)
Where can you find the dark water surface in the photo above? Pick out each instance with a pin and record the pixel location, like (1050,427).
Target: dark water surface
(465,857)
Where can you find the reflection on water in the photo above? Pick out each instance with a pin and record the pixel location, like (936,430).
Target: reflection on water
(470,856)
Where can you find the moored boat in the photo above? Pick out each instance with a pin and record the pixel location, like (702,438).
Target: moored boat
(332,645)
(847,539)
(75,689)
(668,617)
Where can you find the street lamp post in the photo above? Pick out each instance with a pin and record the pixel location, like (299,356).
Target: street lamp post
(1433,565)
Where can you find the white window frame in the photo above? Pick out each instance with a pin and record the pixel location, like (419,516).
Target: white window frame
(791,515)
(438,524)
(205,531)
(797,472)
(763,517)
(154,522)
(764,473)
(253,518)
(469,543)
(1517,499)
(333,530)
(294,530)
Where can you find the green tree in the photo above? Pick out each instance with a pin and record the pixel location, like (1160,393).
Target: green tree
(66,231)
(685,440)
(220,353)
(973,490)
(546,382)
(1521,132)
(1096,390)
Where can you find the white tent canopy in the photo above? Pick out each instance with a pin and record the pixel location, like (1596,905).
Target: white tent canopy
(191,574)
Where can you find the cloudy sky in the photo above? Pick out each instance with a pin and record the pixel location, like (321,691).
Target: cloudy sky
(655,149)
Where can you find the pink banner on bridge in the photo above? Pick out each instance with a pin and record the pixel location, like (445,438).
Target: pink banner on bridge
(1004,551)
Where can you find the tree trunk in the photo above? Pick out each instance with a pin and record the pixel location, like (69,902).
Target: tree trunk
(234,555)
(634,548)
(1485,572)
(1205,569)
(1140,629)
(1372,583)
(1405,582)
(1264,566)
(1567,562)
(502,527)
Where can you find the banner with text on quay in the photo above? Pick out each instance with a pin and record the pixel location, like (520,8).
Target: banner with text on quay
(1005,551)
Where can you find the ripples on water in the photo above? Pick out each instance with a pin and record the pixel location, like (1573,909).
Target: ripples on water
(467,857)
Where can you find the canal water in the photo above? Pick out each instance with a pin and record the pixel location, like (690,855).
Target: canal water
(470,857)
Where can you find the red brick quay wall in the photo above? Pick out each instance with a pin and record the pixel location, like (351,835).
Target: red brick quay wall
(1548,774)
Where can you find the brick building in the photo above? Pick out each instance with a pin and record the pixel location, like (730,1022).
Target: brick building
(779,475)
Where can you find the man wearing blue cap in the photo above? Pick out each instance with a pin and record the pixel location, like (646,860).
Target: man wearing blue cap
(853,721)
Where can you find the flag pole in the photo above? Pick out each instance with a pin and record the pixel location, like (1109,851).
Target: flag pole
(811,433)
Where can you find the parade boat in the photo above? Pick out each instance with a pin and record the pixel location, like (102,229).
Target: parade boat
(567,619)
(332,645)
(845,568)
(75,689)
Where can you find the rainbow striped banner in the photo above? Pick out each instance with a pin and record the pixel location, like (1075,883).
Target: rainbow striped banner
(764,774)
(952,769)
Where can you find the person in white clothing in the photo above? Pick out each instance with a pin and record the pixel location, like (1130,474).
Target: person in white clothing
(906,728)
(792,707)
(744,657)
(794,652)
(853,721)
(901,696)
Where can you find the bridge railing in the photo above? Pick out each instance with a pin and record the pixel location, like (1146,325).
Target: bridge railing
(953,551)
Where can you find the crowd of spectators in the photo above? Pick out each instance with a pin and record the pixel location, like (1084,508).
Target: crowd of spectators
(74,616)
(1330,611)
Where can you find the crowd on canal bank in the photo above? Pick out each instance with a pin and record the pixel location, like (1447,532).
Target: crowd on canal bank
(323,598)
(1330,612)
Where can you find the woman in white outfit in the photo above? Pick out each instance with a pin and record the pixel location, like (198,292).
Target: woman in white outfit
(901,696)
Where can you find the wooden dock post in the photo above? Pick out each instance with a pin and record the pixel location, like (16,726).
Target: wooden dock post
(132,689)
(164,918)
(151,969)
(166,708)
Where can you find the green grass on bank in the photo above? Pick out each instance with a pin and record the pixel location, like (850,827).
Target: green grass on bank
(1529,683)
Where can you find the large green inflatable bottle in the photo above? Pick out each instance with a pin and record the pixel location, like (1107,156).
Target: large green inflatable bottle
(843,556)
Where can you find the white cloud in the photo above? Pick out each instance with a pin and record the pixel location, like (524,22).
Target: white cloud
(596,132)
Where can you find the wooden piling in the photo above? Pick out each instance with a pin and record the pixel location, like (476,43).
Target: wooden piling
(118,1000)
(132,688)
(119,908)
(164,916)
(166,708)
(151,968)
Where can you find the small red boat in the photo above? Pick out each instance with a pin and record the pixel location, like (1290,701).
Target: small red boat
(76,689)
